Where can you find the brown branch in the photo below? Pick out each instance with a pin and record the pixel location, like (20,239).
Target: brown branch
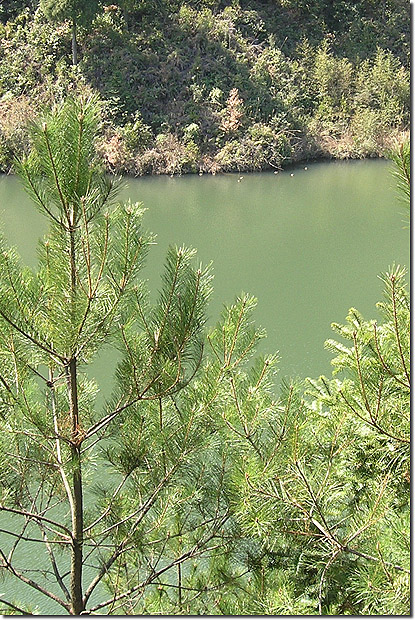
(371,557)
(359,371)
(42,346)
(55,566)
(120,550)
(382,361)
(395,318)
(32,583)
(37,517)
(196,550)
(24,612)
(30,539)
(371,422)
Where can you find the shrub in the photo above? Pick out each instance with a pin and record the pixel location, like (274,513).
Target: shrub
(114,152)
(260,148)
(137,134)
(334,82)
(233,114)
(383,84)
(15,114)
(168,156)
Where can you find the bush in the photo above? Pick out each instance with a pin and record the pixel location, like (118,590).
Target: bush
(334,83)
(137,135)
(15,115)
(168,156)
(260,148)
(383,84)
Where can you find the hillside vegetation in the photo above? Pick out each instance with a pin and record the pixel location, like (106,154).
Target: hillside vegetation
(209,85)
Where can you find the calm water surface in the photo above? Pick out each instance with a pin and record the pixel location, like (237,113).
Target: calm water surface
(309,246)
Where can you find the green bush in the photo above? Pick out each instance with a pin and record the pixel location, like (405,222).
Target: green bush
(383,84)
(260,148)
(168,156)
(137,134)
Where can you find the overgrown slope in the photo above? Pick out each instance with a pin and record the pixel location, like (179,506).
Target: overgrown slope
(211,86)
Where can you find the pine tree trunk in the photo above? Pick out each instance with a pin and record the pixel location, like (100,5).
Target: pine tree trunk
(77,516)
(74,45)
(77,531)
(78,512)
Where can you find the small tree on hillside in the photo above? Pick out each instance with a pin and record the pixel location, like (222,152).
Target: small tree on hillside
(78,12)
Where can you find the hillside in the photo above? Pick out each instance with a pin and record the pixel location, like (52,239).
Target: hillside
(210,86)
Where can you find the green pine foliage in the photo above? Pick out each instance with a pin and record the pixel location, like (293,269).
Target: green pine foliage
(330,498)
(86,293)
(401,156)
(197,487)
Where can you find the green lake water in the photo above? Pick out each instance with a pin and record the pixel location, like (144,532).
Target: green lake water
(308,243)
(308,246)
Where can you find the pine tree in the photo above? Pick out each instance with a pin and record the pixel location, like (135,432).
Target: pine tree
(86,293)
(193,489)
(132,501)
(78,12)
(328,497)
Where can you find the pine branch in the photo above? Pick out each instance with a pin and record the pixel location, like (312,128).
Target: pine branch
(54,565)
(194,552)
(397,334)
(32,583)
(38,517)
(44,347)
(142,511)
(20,537)
(24,612)
(375,425)
(382,359)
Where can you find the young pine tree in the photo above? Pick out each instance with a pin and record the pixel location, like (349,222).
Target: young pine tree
(154,461)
